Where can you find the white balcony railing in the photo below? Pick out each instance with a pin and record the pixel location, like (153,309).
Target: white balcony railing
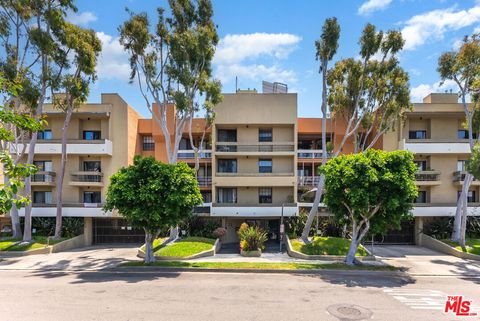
(190,154)
(435,146)
(74,147)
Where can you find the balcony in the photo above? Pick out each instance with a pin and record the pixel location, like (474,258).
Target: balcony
(256,149)
(308,180)
(311,154)
(459,177)
(253,210)
(68,210)
(205,181)
(86,179)
(190,154)
(218,174)
(435,146)
(442,209)
(43,178)
(424,178)
(254,179)
(202,210)
(74,147)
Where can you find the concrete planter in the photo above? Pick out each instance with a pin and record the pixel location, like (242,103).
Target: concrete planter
(69,244)
(338,258)
(257,253)
(436,245)
(215,248)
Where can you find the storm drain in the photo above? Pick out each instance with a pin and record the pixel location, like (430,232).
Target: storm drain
(346,312)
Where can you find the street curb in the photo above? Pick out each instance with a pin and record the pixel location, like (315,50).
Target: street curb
(150,269)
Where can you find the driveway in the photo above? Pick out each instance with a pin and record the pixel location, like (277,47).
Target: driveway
(420,260)
(89,258)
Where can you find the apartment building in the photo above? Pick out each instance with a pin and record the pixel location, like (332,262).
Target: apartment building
(435,132)
(257,163)
(101,139)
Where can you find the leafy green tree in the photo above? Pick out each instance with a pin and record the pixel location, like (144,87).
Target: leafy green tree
(84,47)
(172,64)
(153,196)
(14,172)
(372,191)
(326,47)
(463,67)
(31,32)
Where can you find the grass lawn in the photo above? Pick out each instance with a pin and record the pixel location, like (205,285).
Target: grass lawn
(325,246)
(186,247)
(156,244)
(39,242)
(261,265)
(472,245)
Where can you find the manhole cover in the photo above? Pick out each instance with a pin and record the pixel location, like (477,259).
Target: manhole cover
(349,312)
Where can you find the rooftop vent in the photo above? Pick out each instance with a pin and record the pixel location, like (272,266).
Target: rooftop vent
(274,88)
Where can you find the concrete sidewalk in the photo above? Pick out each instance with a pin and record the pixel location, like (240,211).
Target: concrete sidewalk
(423,261)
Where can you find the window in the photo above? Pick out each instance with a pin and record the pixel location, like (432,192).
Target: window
(265,135)
(92,166)
(461,165)
(91,197)
(206,196)
(463,134)
(417,134)
(471,197)
(42,197)
(227,135)
(265,195)
(264,165)
(421,164)
(422,197)
(227,195)
(227,165)
(91,134)
(43,166)
(45,134)
(185,144)
(148,143)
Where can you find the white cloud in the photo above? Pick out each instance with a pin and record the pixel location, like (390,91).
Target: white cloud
(421,91)
(82,19)
(113,61)
(434,24)
(236,55)
(235,48)
(373,5)
(476,30)
(256,72)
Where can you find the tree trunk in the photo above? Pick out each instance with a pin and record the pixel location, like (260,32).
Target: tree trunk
(463,222)
(313,210)
(61,174)
(14,217)
(149,256)
(27,229)
(457,223)
(352,250)
(321,183)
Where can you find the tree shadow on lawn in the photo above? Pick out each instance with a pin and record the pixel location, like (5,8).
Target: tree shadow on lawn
(365,279)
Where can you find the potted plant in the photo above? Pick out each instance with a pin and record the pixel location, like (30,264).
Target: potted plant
(252,239)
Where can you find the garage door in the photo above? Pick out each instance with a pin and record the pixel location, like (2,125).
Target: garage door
(115,231)
(406,235)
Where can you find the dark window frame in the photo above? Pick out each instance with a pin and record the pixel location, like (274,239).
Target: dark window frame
(263,168)
(413,134)
(265,195)
(148,143)
(41,134)
(234,195)
(227,135)
(233,168)
(96,195)
(265,135)
(96,134)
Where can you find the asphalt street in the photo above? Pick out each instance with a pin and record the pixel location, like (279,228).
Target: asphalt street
(128,295)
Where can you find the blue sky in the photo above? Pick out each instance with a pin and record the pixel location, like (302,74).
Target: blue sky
(274,40)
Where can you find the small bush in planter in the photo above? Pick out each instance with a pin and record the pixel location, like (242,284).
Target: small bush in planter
(219,232)
(252,238)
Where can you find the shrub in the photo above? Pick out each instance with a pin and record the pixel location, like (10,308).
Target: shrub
(441,228)
(45,226)
(199,226)
(251,238)
(327,225)
(219,232)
